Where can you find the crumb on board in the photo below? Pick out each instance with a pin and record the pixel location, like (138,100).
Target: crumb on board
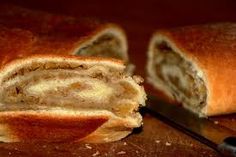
(88,146)
(168,144)
(121,153)
(136,152)
(125,143)
(216,122)
(57,147)
(96,153)
(157,141)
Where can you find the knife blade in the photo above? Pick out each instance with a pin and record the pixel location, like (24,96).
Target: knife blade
(215,136)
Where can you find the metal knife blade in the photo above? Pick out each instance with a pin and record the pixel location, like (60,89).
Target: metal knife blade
(217,137)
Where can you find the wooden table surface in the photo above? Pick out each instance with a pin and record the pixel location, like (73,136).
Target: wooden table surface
(140,20)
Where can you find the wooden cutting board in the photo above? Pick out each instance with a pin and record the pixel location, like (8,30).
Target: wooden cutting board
(139,19)
(155,139)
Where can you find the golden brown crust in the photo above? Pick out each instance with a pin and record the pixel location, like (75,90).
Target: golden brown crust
(47,128)
(14,62)
(18,63)
(34,32)
(212,48)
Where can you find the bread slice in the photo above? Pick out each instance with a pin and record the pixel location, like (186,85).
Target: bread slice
(196,66)
(58,98)
(58,34)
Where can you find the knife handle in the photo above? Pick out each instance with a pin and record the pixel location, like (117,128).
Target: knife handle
(228,147)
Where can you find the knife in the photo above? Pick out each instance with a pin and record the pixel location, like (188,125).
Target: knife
(220,138)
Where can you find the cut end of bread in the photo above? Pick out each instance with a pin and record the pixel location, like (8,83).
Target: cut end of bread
(48,93)
(170,71)
(109,42)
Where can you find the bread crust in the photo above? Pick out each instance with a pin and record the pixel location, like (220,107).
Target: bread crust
(43,58)
(35,126)
(37,32)
(212,48)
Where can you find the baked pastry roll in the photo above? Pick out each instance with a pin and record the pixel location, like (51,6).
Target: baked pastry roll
(57,98)
(57,34)
(196,65)
(46,94)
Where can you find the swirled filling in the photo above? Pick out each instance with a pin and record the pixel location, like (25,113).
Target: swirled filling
(180,77)
(79,87)
(105,46)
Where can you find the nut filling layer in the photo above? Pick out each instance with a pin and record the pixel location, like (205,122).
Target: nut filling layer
(180,77)
(105,46)
(70,86)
